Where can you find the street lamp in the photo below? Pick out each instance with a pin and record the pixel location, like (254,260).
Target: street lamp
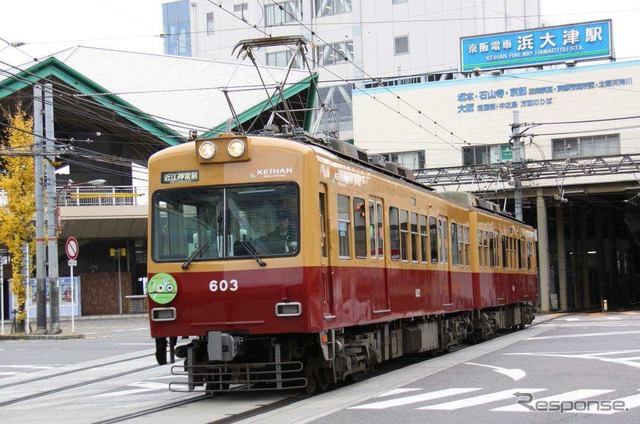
(52,230)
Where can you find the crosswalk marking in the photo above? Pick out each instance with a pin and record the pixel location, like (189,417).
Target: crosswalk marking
(479,400)
(397,392)
(516,396)
(564,397)
(415,398)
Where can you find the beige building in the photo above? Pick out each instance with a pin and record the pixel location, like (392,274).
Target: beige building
(580,134)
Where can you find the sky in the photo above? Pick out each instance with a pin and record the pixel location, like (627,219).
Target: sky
(48,26)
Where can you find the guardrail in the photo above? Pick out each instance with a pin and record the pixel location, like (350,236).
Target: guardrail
(96,196)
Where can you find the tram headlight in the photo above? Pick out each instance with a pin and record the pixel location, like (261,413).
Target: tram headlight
(207,150)
(236,148)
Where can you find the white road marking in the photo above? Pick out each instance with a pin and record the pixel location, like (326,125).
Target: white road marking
(397,392)
(572,336)
(414,399)
(514,373)
(597,356)
(144,386)
(479,400)
(33,367)
(566,397)
(135,344)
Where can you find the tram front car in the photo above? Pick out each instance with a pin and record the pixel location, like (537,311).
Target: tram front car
(227,261)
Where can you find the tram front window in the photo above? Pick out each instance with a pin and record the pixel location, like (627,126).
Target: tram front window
(197,224)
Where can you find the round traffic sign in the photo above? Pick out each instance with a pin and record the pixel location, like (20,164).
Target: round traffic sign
(72,248)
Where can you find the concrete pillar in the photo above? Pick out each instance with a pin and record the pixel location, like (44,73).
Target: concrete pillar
(600,255)
(543,252)
(584,254)
(562,260)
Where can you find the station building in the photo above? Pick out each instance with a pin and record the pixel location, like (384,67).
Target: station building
(580,132)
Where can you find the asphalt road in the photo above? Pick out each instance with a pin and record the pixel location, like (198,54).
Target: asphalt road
(577,368)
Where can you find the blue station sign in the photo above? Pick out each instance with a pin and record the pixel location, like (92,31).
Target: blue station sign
(537,47)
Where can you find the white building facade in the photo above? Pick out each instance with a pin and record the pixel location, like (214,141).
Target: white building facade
(353,41)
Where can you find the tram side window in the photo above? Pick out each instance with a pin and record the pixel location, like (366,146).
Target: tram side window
(344,239)
(466,246)
(414,237)
(443,240)
(433,233)
(460,245)
(492,250)
(423,238)
(394,233)
(455,253)
(480,248)
(380,230)
(529,254)
(404,235)
(323,227)
(520,253)
(504,252)
(372,228)
(360,227)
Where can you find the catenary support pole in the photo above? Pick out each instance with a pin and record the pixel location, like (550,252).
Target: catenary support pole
(38,149)
(52,237)
(517,162)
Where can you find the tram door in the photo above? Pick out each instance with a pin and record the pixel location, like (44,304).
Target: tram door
(376,242)
(326,282)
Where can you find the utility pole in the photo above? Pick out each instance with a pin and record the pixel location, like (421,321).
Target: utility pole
(518,156)
(38,148)
(52,237)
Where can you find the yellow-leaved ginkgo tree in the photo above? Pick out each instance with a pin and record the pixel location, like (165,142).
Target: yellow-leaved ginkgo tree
(18,186)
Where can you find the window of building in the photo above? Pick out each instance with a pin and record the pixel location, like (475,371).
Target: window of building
(209,23)
(360,227)
(333,53)
(282,59)
(411,160)
(401,44)
(599,145)
(290,12)
(481,155)
(344,224)
(177,27)
(332,7)
(394,233)
(240,7)
(398,1)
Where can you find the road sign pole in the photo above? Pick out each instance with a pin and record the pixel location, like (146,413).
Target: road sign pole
(73,310)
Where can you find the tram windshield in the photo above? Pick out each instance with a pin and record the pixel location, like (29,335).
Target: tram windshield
(214,223)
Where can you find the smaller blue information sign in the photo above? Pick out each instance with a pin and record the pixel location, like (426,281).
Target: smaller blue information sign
(536,47)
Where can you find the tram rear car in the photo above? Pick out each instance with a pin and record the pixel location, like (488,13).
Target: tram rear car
(289,265)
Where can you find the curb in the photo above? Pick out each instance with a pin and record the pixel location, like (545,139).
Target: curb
(20,336)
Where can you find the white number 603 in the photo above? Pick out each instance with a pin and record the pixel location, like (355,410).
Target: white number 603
(223,285)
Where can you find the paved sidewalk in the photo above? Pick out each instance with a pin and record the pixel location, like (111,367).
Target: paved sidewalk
(81,326)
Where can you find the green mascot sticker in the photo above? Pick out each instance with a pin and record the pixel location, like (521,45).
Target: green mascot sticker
(162,288)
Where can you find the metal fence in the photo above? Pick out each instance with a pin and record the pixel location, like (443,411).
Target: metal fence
(96,196)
